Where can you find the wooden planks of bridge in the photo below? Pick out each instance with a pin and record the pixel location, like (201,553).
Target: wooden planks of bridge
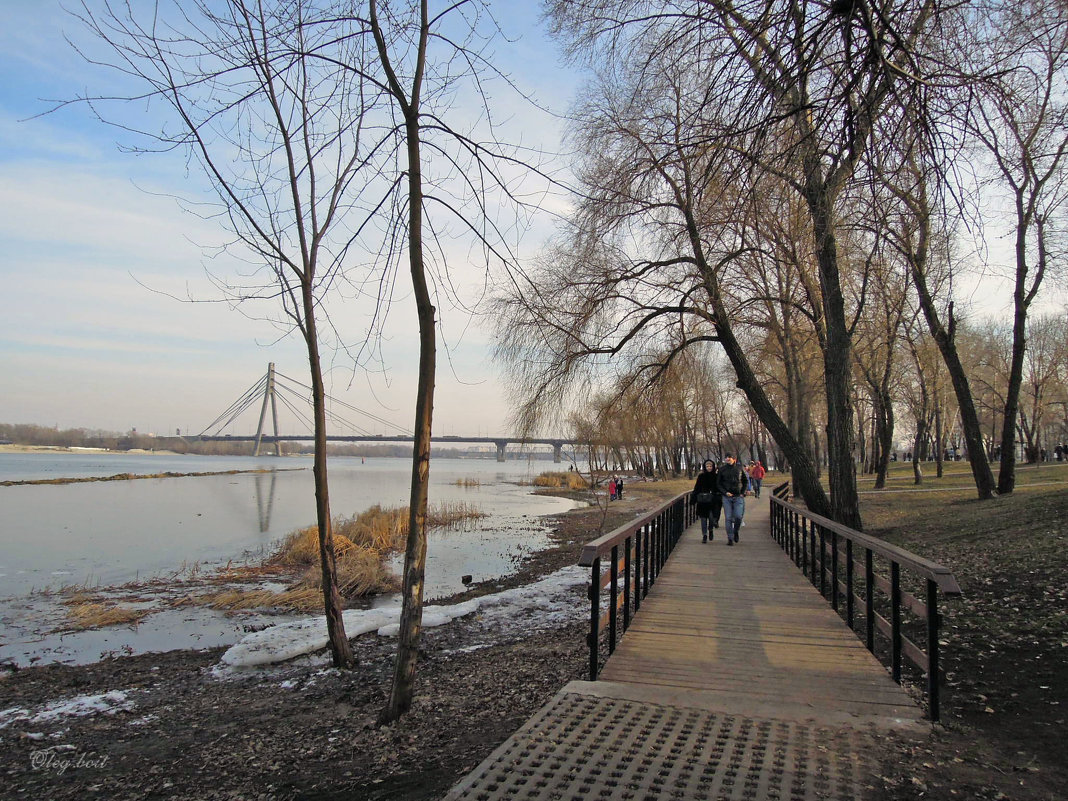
(742,628)
(735,680)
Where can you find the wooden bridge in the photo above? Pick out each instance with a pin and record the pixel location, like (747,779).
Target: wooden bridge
(735,680)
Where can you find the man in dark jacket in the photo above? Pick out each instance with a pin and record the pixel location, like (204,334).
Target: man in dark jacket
(733,485)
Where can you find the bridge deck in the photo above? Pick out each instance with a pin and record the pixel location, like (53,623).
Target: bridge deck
(736,680)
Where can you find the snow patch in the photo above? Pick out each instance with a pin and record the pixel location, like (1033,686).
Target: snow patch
(547,603)
(79,706)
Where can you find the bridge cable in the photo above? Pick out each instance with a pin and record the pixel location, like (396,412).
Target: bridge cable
(350,407)
(330,414)
(247,398)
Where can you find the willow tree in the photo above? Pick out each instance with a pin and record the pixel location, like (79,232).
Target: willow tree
(797,93)
(281,137)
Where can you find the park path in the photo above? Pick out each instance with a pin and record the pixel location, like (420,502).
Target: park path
(735,680)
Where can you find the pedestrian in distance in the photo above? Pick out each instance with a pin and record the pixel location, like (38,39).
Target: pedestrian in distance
(733,484)
(756,476)
(706,497)
(612,490)
(619,488)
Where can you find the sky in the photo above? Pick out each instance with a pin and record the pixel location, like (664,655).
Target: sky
(96,257)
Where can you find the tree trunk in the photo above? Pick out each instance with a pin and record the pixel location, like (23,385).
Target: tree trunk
(803,473)
(837,357)
(945,340)
(402,690)
(1007,468)
(921,435)
(340,649)
(886,437)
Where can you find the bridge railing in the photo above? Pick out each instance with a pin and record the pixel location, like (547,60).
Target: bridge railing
(824,550)
(626,563)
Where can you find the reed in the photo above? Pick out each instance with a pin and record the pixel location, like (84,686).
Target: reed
(361,545)
(301,547)
(297,599)
(467,482)
(84,614)
(571,480)
(452,514)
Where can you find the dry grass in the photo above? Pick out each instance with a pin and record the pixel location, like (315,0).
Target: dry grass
(298,599)
(361,545)
(302,547)
(572,480)
(86,614)
(467,482)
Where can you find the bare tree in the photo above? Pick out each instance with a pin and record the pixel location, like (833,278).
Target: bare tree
(282,138)
(876,357)
(423,60)
(1021,121)
(797,93)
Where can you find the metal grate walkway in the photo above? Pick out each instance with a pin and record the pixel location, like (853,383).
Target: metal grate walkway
(736,681)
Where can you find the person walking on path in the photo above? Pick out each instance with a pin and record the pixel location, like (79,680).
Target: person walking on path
(756,476)
(612,490)
(706,496)
(733,484)
(619,488)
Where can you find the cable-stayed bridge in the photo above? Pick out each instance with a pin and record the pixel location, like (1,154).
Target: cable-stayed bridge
(274,389)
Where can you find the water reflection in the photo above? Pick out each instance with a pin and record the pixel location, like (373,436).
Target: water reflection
(265,508)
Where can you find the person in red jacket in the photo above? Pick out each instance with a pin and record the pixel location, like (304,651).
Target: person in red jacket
(756,476)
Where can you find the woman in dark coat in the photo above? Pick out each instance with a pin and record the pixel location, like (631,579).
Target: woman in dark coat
(706,496)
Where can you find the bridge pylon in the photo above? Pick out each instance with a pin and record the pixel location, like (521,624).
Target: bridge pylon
(268,394)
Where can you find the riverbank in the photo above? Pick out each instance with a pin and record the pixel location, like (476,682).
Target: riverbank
(16,448)
(136,476)
(173,725)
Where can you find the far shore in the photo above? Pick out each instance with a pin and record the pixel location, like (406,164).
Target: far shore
(15,448)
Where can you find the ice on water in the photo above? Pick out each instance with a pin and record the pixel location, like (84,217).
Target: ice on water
(550,600)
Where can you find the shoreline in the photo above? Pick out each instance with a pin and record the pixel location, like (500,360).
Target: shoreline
(136,476)
(274,732)
(17,448)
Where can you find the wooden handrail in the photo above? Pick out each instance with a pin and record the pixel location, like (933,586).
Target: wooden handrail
(634,554)
(604,544)
(796,530)
(939,574)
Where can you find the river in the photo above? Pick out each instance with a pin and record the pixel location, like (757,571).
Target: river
(108,533)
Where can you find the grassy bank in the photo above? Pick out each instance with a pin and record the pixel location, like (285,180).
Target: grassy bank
(1006,640)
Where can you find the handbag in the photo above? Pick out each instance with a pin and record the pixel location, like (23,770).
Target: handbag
(703,497)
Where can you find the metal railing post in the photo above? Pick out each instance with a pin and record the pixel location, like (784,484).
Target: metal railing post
(933,669)
(595,614)
(869,600)
(614,597)
(812,554)
(834,570)
(647,564)
(639,554)
(849,584)
(823,561)
(895,620)
(626,583)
